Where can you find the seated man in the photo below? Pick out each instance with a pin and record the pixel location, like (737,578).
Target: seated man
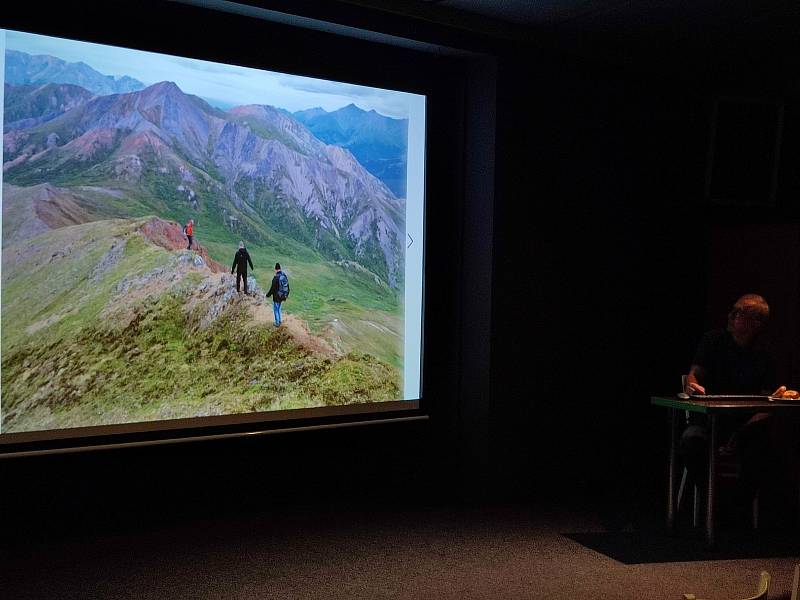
(734,360)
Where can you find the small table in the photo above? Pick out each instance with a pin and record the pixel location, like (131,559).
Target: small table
(713,407)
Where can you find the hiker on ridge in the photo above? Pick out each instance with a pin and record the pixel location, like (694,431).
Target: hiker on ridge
(279,290)
(240,261)
(188,231)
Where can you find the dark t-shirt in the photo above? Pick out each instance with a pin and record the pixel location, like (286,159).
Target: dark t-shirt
(731,369)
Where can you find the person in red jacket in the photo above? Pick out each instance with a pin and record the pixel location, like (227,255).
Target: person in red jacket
(188,231)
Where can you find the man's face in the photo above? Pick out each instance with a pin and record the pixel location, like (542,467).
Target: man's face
(742,321)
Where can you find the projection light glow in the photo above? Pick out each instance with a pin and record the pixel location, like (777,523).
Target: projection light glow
(112,316)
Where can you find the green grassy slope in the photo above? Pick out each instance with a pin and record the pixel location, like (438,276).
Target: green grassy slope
(52,288)
(77,352)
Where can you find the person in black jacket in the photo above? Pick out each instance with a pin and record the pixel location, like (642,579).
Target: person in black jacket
(240,262)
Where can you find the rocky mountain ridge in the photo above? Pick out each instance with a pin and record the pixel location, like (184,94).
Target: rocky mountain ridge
(27,106)
(261,160)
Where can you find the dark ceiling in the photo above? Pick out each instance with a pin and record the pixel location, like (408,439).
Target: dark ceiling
(678,34)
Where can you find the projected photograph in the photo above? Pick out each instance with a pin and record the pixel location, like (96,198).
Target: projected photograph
(146,203)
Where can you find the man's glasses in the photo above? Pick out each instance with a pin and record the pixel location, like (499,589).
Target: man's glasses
(737,311)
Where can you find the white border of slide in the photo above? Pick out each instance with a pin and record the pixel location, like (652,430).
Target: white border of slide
(415,245)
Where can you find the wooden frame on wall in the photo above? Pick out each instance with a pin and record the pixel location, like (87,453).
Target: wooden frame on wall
(744,151)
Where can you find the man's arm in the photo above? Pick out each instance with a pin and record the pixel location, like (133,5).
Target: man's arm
(248,259)
(694,379)
(273,287)
(233,266)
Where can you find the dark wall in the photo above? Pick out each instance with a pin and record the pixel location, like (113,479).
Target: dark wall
(755,241)
(601,173)
(610,261)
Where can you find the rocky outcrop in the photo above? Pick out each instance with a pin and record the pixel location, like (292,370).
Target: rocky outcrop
(169,235)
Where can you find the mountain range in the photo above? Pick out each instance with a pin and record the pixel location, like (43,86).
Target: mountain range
(378,142)
(160,150)
(28,69)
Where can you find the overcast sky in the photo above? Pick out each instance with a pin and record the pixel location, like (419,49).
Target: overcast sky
(220,84)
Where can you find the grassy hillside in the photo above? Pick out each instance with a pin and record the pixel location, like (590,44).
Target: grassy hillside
(101,326)
(322,292)
(340,300)
(58,283)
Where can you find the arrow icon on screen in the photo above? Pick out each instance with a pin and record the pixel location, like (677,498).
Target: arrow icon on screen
(412,240)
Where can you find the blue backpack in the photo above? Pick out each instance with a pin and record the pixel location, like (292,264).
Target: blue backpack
(282,292)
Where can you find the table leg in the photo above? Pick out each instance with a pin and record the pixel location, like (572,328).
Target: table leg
(673,468)
(712,476)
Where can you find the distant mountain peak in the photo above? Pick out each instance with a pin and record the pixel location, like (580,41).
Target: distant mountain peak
(158,92)
(309,113)
(22,68)
(351,108)
(377,141)
(164,86)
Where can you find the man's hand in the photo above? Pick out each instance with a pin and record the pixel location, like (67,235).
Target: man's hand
(693,379)
(695,388)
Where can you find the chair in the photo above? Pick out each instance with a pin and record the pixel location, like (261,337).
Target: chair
(727,469)
(761,593)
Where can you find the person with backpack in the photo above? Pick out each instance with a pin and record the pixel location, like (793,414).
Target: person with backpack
(279,290)
(240,261)
(188,231)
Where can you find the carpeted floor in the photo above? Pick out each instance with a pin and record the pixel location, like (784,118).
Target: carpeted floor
(340,552)
(655,546)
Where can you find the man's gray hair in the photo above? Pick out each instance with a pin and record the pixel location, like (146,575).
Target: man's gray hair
(241,244)
(754,306)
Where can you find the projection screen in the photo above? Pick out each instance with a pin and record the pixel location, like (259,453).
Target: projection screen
(147,201)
